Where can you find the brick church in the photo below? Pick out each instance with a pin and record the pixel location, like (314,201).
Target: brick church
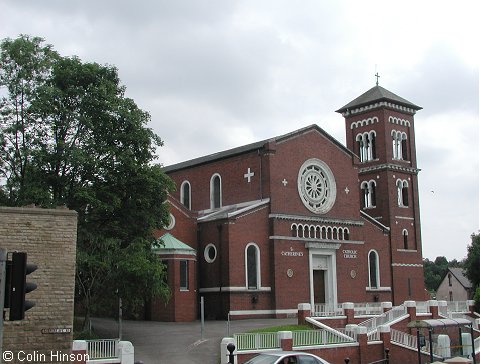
(298,218)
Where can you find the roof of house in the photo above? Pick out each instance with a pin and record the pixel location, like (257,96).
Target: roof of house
(459,274)
(376,94)
(251,147)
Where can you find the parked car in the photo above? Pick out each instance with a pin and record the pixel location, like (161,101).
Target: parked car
(286,357)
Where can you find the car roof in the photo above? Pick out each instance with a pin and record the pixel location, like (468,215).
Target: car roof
(283,352)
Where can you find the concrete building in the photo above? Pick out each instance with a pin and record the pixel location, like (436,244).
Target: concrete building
(49,237)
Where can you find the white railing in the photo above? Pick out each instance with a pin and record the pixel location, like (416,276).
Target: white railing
(102,349)
(367,308)
(422,307)
(327,310)
(257,341)
(348,332)
(443,311)
(319,337)
(385,318)
(373,336)
(457,306)
(402,338)
(410,341)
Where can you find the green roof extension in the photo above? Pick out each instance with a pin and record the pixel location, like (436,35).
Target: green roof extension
(171,243)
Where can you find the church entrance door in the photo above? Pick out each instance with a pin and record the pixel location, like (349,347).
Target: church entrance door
(319,286)
(323,277)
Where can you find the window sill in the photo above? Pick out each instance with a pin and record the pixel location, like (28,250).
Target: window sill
(378,289)
(407,250)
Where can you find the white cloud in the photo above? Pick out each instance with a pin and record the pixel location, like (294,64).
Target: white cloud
(219,74)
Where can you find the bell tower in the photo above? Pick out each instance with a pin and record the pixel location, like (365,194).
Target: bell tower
(380,131)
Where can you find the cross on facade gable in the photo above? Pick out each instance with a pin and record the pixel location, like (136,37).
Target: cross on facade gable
(249,175)
(285,182)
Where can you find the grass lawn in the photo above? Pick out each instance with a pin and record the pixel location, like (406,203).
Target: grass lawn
(282,328)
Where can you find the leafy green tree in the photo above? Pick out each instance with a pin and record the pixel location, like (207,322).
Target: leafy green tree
(472,262)
(69,136)
(434,272)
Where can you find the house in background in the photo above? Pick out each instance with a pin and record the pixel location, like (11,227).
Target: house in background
(455,286)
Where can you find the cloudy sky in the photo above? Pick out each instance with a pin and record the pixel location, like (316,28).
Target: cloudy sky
(217,74)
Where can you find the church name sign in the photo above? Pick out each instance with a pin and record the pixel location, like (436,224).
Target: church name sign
(291,253)
(350,254)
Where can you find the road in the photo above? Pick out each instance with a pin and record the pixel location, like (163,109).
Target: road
(179,342)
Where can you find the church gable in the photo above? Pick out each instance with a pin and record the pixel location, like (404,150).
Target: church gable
(311,174)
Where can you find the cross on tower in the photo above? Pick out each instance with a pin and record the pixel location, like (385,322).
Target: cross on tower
(377,76)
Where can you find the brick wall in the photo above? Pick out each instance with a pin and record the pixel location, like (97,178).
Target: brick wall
(49,239)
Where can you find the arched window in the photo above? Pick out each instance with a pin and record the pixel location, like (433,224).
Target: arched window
(294,229)
(399,145)
(215,191)
(373,271)
(405,193)
(361,147)
(368,194)
(402,193)
(404,147)
(252,266)
(405,238)
(371,149)
(366,146)
(185,195)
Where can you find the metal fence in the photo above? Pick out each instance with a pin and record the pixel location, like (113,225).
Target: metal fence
(102,349)
(327,310)
(319,337)
(383,319)
(257,341)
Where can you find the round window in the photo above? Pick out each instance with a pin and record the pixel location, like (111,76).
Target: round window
(316,186)
(210,253)
(171,223)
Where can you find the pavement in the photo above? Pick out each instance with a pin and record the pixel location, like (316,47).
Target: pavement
(179,342)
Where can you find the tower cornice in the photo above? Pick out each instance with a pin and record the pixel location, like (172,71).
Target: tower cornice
(388,167)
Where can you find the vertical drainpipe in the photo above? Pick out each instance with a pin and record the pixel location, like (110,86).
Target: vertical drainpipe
(261,173)
(220,276)
(197,275)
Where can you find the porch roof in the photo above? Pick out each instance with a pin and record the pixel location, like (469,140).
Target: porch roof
(436,323)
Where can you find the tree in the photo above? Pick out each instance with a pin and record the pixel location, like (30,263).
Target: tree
(69,136)
(472,262)
(434,272)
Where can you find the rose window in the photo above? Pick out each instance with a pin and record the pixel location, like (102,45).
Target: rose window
(316,186)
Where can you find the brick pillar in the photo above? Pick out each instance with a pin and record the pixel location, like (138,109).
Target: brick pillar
(304,311)
(471,307)
(286,340)
(433,306)
(79,350)
(348,310)
(386,306)
(362,344)
(411,309)
(385,336)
